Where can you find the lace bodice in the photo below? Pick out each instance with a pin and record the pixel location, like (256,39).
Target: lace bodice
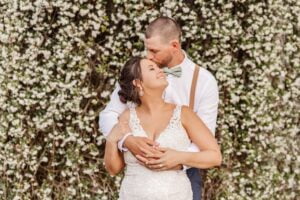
(173,136)
(140,182)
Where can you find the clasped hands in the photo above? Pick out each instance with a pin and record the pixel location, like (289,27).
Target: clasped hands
(151,155)
(147,151)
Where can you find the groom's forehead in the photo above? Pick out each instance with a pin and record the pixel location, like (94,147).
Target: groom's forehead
(155,40)
(152,43)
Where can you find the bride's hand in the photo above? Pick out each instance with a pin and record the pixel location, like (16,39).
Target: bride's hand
(168,159)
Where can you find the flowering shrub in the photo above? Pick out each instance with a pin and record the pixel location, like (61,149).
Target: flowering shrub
(60,60)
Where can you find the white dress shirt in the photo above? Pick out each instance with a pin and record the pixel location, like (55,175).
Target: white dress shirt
(177,92)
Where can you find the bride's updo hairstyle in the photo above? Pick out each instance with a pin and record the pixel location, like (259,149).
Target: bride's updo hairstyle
(131,71)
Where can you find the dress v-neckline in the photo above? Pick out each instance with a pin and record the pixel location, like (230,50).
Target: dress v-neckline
(167,126)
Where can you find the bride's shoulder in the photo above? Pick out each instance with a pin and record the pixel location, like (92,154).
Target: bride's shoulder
(124,116)
(186,109)
(171,105)
(186,113)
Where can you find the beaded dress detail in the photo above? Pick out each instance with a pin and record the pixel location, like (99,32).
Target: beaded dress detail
(142,183)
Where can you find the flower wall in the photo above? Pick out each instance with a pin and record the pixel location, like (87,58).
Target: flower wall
(60,60)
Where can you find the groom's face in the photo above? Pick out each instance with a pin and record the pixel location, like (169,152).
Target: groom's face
(158,51)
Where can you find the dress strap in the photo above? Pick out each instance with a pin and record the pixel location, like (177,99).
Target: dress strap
(131,111)
(134,121)
(178,112)
(176,118)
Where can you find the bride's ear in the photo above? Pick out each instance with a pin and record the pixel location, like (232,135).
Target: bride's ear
(136,83)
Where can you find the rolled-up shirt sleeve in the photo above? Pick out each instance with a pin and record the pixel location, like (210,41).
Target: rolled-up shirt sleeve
(109,116)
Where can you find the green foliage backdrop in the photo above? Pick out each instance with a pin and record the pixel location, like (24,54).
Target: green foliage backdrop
(59,61)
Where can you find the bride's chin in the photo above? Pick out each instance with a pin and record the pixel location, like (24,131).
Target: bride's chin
(165,84)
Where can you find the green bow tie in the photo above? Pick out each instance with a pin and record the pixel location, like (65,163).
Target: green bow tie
(174,71)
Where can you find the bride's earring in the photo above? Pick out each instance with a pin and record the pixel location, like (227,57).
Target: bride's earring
(141,92)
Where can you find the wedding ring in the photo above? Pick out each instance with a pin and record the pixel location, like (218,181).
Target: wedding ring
(161,165)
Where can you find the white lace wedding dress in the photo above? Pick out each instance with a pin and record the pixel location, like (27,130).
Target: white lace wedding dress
(141,183)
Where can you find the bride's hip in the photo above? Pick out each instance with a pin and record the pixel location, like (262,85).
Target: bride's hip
(156,187)
(157,180)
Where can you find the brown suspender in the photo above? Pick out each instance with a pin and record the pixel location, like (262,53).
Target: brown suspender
(192,101)
(193,87)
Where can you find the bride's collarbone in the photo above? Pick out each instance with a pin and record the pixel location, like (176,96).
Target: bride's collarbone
(155,124)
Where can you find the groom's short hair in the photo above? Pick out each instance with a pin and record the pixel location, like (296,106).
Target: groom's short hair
(165,27)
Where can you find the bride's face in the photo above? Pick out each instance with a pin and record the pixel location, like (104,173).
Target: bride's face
(152,76)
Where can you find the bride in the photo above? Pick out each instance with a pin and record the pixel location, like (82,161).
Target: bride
(171,126)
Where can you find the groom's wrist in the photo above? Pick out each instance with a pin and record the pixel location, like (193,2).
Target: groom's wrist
(185,167)
(122,141)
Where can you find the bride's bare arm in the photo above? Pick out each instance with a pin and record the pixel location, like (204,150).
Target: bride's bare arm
(210,154)
(113,158)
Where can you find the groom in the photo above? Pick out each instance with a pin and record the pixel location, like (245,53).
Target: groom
(163,46)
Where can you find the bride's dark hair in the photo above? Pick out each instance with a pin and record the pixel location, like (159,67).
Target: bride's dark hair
(131,71)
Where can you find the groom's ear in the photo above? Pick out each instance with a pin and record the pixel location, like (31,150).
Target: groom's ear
(175,44)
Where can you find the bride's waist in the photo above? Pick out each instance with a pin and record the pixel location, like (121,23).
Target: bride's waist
(137,169)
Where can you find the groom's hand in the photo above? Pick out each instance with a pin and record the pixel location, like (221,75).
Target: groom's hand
(166,159)
(141,146)
(149,164)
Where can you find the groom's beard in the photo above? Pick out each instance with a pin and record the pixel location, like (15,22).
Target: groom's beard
(163,63)
(160,65)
